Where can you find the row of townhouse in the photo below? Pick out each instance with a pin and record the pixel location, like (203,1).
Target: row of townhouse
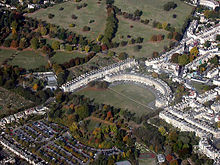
(216,107)
(188,122)
(197,118)
(206,147)
(208,34)
(22,153)
(159,85)
(213,73)
(209,95)
(9,119)
(84,79)
(208,3)
(181,123)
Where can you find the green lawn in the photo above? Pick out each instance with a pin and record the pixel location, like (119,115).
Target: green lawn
(61,56)
(153,10)
(28,60)
(138,30)
(93,11)
(131,97)
(146,51)
(5,53)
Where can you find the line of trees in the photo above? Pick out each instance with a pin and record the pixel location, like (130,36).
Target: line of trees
(110,27)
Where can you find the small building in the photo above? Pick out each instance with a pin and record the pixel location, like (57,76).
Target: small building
(161,158)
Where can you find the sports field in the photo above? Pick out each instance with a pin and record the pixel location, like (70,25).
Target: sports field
(28,60)
(61,56)
(93,11)
(125,96)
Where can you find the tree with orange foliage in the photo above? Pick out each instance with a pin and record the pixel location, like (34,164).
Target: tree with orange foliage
(109,114)
(14,44)
(35,87)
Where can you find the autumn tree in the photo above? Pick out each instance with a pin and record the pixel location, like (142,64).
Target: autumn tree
(34,43)
(35,87)
(23,43)
(194,51)
(55,45)
(14,44)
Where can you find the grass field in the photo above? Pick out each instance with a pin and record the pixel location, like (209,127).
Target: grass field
(93,11)
(153,10)
(146,51)
(5,53)
(61,56)
(131,97)
(138,30)
(28,60)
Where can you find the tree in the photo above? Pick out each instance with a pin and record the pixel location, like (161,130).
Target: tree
(154,38)
(86,28)
(169,5)
(164,25)
(82,111)
(87,48)
(194,51)
(155,54)
(162,130)
(183,59)
(7,43)
(174,58)
(14,44)
(23,43)
(123,56)
(42,30)
(74,127)
(50,16)
(35,87)
(34,43)
(55,45)
(207,44)
(99,38)
(138,13)
(218,37)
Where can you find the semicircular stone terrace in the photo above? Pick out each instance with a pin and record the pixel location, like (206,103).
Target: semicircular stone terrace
(165,92)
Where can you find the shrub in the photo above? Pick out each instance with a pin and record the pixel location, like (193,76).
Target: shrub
(72,25)
(50,16)
(137,48)
(86,28)
(169,5)
(91,21)
(84,4)
(124,43)
(123,56)
(74,16)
